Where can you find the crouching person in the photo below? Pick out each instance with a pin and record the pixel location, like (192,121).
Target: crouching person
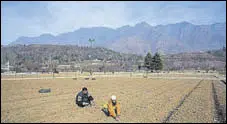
(83,98)
(112,108)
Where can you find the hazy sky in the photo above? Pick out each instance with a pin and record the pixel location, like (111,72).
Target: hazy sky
(25,18)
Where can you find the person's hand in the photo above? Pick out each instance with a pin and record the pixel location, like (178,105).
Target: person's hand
(84,103)
(117,118)
(93,103)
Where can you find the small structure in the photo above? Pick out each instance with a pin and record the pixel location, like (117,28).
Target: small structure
(6,67)
(63,67)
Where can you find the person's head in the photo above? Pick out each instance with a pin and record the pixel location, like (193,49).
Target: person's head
(84,90)
(113,98)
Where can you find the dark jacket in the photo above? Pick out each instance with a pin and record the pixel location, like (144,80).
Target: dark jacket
(86,98)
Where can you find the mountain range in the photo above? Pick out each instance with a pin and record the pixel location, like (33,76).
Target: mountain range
(141,38)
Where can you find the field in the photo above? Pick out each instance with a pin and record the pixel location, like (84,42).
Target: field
(141,99)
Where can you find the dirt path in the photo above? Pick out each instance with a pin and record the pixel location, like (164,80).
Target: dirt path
(219,98)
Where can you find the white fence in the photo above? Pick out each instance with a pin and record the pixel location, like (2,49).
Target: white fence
(175,75)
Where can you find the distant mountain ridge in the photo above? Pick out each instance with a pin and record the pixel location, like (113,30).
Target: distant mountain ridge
(141,38)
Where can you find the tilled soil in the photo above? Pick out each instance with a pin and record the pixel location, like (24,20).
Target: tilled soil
(141,100)
(197,108)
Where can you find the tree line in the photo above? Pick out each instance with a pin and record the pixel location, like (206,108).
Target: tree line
(154,63)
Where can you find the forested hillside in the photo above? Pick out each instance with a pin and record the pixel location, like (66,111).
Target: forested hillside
(47,57)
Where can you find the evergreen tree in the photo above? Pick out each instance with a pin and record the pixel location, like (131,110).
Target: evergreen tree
(157,62)
(148,61)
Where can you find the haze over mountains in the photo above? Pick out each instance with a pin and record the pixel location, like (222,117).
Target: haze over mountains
(139,39)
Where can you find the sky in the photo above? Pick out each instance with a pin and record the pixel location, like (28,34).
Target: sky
(33,18)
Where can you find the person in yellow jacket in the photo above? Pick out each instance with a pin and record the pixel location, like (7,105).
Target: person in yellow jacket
(112,108)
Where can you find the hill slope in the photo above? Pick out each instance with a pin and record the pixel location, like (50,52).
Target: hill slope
(212,59)
(37,56)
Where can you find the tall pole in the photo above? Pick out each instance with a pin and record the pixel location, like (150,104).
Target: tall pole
(8,65)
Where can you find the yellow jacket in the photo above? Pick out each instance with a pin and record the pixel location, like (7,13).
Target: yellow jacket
(111,108)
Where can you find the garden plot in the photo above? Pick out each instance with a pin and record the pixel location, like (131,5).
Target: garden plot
(142,100)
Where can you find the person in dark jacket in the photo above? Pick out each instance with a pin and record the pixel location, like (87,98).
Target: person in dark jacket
(83,98)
